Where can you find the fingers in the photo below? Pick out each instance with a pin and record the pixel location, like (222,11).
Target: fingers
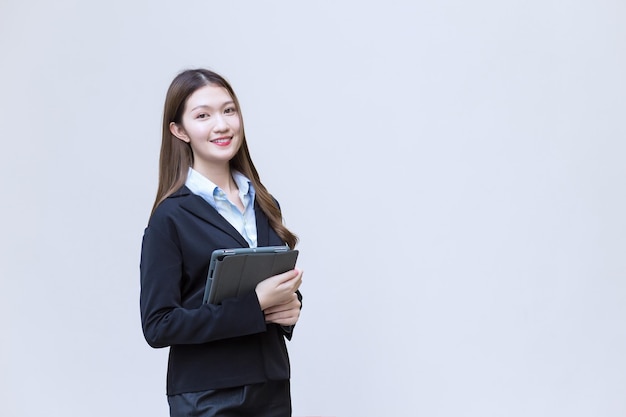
(289,278)
(287,282)
(278,289)
(291,304)
(286,314)
(295,282)
(284,318)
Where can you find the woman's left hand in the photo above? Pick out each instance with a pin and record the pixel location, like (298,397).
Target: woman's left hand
(284,314)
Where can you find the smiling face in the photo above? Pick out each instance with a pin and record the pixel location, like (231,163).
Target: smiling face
(211,124)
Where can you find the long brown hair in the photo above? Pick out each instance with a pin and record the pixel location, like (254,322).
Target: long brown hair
(176,155)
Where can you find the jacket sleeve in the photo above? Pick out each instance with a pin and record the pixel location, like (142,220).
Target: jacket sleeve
(166,320)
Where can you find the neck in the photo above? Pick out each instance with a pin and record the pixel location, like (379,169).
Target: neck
(219,175)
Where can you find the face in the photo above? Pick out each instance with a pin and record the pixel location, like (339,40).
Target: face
(211,125)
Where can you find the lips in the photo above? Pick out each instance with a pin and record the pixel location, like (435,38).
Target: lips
(222,141)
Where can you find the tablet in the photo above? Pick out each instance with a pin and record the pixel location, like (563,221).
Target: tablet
(233,272)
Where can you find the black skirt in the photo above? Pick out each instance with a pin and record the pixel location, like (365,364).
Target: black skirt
(268,399)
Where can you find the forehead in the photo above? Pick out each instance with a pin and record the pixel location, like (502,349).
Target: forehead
(209,95)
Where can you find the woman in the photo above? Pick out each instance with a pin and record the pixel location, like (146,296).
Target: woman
(231,358)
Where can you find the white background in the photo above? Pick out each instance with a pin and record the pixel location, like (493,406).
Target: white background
(464,160)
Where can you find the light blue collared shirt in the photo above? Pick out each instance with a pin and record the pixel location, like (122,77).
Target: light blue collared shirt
(245,222)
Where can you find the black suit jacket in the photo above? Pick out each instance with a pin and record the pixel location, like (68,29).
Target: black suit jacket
(211,346)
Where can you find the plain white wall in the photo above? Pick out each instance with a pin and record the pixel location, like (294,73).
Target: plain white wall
(464,161)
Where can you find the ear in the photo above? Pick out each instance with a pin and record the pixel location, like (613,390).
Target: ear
(179,132)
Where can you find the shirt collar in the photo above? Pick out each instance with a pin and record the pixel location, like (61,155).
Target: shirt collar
(201,185)
(243,183)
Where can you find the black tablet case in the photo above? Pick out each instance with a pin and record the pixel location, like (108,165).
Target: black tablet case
(237,273)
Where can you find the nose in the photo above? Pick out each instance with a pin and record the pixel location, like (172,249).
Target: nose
(220,123)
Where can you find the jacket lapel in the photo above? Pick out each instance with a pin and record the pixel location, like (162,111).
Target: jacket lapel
(262,226)
(200,208)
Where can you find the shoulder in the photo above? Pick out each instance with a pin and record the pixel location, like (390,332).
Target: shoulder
(169,209)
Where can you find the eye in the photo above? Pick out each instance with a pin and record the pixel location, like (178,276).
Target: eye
(230,110)
(202,116)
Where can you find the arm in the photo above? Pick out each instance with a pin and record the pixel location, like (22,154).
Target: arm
(166,320)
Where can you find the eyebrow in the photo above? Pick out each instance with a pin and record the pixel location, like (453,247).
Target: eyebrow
(204,106)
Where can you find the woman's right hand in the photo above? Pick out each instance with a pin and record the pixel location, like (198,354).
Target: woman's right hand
(278,289)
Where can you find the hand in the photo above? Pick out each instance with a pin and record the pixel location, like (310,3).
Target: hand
(279,289)
(284,314)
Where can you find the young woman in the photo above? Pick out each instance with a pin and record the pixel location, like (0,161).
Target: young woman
(228,359)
